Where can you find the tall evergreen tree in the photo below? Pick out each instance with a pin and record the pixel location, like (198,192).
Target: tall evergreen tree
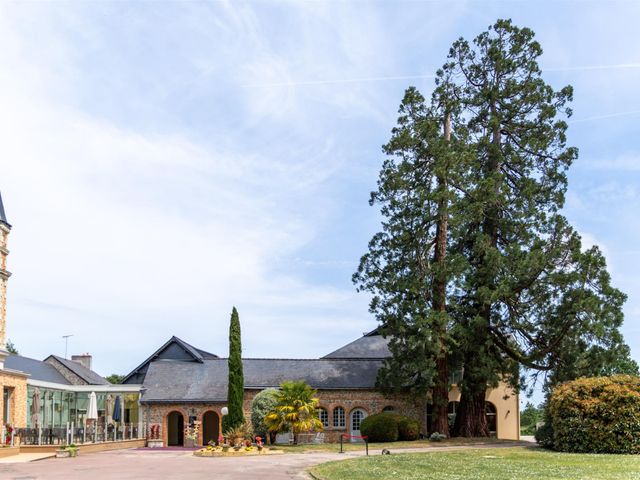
(235,388)
(529,290)
(407,267)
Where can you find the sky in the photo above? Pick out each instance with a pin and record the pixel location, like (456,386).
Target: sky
(161,162)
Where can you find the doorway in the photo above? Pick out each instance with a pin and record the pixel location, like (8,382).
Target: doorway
(492,419)
(210,427)
(357,416)
(175,429)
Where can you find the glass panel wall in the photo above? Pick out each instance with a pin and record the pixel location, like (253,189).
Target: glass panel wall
(57,408)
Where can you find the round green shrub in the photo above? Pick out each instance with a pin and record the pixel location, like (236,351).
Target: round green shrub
(408,428)
(261,405)
(596,415)
(381,427)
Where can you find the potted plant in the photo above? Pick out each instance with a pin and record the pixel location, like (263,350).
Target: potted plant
(67,451)
(191,434)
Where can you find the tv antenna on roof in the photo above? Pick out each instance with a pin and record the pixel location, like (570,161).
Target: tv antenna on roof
(66,344)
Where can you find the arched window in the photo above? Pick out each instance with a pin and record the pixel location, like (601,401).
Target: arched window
(389,408)
(338,417)
(323,415)
(492,418)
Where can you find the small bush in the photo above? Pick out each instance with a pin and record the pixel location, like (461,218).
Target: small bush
(597,415)
(408,428)
(437,437)
(381,427)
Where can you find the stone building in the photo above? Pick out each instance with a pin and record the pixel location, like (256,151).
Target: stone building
(184,385)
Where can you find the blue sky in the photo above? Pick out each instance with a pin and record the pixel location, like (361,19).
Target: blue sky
(162,162)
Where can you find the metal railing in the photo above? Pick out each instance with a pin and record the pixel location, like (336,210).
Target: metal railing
(78,434)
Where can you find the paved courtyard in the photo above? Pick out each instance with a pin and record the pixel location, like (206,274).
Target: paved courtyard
(136,464)
(161,464)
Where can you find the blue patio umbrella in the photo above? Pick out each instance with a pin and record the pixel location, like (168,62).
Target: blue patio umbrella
(116,410)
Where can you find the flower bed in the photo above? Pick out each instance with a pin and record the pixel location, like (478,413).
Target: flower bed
(234,452)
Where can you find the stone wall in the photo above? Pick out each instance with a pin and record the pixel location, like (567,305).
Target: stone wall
(18,383)
(367,400)
(370,401)
(4,276)
(158,414)
(71,377)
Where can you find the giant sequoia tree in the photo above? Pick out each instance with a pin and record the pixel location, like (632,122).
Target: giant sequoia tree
(509,283)
(407,267)
(530,288)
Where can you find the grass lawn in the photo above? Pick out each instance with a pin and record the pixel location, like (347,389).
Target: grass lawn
(517,463)
(377,447)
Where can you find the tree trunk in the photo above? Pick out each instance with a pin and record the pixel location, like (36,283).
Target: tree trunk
(471,420)
(440,393)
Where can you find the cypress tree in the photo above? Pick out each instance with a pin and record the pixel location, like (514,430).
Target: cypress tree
(235,389)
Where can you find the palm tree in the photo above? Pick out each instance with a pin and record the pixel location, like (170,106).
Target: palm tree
(296,410)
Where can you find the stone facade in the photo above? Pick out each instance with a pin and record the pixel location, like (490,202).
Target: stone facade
(71,377)
(368,401)
(16,384)
(4,277)
(158,414)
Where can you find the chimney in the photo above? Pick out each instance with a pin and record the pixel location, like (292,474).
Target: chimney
(84,360)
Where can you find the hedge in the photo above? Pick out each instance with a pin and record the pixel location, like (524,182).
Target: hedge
(381,427)
(408,428)
(389,427)
(596,415)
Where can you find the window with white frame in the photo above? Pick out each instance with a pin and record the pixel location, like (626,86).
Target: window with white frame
(323,415)
(338,417)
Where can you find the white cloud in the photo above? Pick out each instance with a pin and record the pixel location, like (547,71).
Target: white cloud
(124,237)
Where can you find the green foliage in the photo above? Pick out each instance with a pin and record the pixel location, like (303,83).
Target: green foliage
(512,287)
(597,415)
(544,435)
(238,434)
(114,378)
(529,416)
(235,393)
(408,429)
(437,437)
(11,348)
(263,403)
(381,427)
(296,410)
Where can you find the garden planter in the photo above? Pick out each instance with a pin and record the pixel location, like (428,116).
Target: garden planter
(67,452)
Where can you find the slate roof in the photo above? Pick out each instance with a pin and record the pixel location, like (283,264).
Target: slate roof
(37,369)
(89,376)
(183,382)
(3,217)
(371,345)
(195,354)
